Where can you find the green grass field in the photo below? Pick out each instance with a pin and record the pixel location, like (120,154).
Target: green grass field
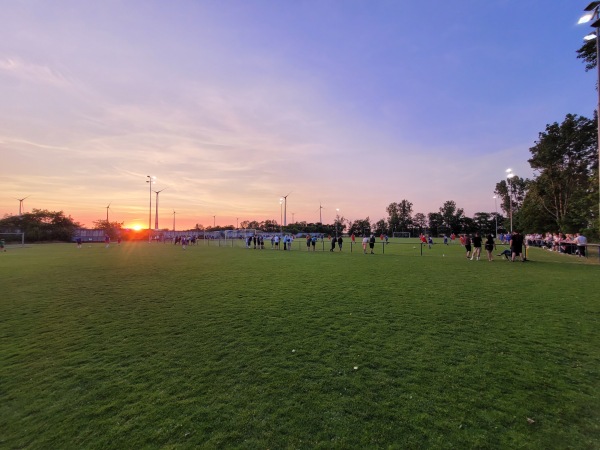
(222,347)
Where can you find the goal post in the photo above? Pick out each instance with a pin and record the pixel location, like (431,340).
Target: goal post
(13,239)
(401,234)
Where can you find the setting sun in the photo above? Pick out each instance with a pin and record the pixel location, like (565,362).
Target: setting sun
(136,227)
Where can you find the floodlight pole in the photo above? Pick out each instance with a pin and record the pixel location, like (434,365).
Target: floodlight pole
(149,180)
(496,208)
(593,10)
(509,175)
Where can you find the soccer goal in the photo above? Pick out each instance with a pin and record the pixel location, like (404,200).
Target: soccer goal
(401,234)
(13,239)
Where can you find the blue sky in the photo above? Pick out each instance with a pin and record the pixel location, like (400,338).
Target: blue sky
(232,104)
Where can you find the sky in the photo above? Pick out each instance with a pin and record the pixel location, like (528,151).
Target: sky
(348,105)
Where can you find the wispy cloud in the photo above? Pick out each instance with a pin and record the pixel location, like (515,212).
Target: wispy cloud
(36,73)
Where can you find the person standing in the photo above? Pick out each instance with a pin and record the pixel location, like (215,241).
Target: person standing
(476,246)
(468,245)
(372,244)
(308,240)
(106,241)
(78,241)
(333,242)
(340,242)
(365,241)
(581,242)
(516,246)
(490,246)
(313,242)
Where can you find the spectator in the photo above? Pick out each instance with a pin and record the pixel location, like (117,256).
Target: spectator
(372,244)
(490,246)
(581,242)
(467,244)
(516,246)
(476,246)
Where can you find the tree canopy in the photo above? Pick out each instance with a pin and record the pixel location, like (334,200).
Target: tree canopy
(41,225)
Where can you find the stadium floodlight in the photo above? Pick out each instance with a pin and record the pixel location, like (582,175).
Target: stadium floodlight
(107,208)
(509,176)
(593,12)
(281,214)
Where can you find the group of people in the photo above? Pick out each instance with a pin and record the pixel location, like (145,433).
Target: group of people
(474,243)
(575,244)
(257,241)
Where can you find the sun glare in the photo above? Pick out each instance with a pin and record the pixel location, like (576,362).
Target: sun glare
(136,227)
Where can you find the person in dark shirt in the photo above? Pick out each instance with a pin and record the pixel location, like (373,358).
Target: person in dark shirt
(516,246)
(490,245)
(340,242)
(468,245)
(372,244)
(476,247)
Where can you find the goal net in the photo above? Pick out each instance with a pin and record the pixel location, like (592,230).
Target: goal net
(402,234)
(13,239)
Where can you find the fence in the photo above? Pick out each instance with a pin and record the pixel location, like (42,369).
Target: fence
(321,245)
(380,247)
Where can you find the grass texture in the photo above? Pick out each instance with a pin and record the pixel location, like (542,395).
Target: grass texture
(151,346)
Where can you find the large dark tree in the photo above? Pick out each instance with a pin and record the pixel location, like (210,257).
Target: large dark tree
(564,158)
(399,215)
(436,223)
(419,223)
(360,226)
(41,225)
(587,53)
(518,187)
(451,217)
(113,229)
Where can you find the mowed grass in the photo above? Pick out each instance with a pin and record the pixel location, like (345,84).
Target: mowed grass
(222,347)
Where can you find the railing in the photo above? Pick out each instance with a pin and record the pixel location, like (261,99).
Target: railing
(380,247)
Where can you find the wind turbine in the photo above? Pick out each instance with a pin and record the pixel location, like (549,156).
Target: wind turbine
(320,217)
(156,213)
(107,208)
(285,208)
(21,204)
(174,220)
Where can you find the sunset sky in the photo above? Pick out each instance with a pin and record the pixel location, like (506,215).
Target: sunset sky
(231,104)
